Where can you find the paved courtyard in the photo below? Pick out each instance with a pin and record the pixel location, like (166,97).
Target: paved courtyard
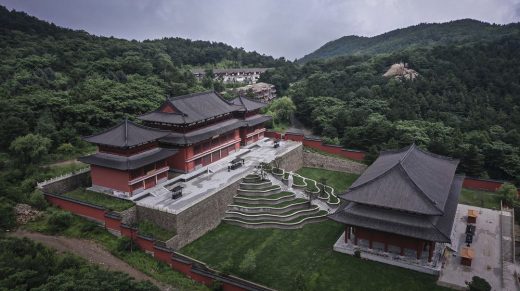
(213,178)
(487,261)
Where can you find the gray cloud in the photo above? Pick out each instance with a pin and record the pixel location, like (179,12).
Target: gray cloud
(287,28)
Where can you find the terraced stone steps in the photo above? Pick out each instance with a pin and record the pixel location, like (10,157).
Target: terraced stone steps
(280,217)
(291,224)
(260,204)
(266,191)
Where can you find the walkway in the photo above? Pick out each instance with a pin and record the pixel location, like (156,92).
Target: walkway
(91,251)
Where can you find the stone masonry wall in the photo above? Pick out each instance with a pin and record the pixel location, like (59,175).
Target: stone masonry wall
(161,218)
(292,160)
(67,183)
(315,160)
(202,217)
(129,216)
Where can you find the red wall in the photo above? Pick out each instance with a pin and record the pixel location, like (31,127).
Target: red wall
(113,223)
(110,178)
(273,134)
(478,184)
(293,136)
(78,208)
(318,144)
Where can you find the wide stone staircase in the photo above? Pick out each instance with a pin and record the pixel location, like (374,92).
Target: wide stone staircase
(260,204)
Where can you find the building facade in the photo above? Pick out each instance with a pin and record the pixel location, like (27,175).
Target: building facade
(185,133)
(237,75)
(406,200)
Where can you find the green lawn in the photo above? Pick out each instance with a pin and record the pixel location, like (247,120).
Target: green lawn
(338,180)
(291,259)
(479,198)
(301,259)
(148,228)
(100,199)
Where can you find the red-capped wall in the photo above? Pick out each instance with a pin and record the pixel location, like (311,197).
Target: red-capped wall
(273,134)
(293,136)
(78,208)
(110,178)
(478,184)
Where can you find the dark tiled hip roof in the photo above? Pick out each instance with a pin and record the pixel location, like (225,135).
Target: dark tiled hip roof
(128,163)
(431,228)
(126,134)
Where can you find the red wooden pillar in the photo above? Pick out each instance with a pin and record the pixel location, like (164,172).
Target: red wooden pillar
(402,251)
(431,247)
(370,243)
(386,247)
(419,248)
(347,233)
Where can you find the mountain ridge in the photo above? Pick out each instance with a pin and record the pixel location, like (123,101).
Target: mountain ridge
(420,35)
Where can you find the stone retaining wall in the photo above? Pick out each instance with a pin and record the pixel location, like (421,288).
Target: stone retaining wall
(315,160)
(292,160)
(129,216)
(67,183)
(202,217)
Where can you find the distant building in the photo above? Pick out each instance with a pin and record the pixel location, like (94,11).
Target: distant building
(259,91)
(185,133)
(238,75)
(403,204)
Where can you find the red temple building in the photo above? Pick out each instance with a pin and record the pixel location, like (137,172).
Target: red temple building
(405,200)
(185,133)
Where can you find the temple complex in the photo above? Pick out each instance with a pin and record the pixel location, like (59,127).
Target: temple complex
(403,204)
(185,133)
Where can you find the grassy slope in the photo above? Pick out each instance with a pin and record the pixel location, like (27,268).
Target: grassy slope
(284,257)
(148,228)
(290,259)
(100,199)
(480,198)
(338,180)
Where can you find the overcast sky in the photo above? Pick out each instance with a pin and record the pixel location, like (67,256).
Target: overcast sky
(289,28)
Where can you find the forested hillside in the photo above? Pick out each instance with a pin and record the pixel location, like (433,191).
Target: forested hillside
(61,83)
(422,35)
(465,103)
(57,85)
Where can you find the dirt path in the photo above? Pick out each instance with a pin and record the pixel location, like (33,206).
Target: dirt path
(91,251)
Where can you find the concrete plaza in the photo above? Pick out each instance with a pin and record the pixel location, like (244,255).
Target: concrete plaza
(487,244)
(209,180)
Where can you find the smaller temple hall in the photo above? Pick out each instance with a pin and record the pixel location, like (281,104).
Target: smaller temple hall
(403,204)
(185,133)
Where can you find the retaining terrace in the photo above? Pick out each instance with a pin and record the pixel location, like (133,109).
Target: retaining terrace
(258,207)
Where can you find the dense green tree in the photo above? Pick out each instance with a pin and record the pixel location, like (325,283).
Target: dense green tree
(30,149)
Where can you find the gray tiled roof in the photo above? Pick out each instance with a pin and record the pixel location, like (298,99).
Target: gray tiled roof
(247,104)
(192,108)
(431,228)
(409,179)
(126,134)
(212,130)
(128,163)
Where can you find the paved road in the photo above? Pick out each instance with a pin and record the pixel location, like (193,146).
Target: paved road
(91,251)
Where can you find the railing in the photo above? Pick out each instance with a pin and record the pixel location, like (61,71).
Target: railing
(62,177)
(148,175)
